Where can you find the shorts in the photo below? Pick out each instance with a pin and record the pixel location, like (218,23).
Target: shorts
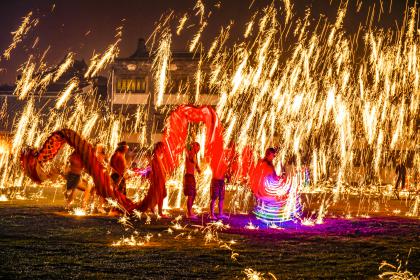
(122,188)
(72,180)
(217,189)
(190,186)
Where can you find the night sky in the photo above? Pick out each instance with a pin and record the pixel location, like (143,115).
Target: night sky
(85,26)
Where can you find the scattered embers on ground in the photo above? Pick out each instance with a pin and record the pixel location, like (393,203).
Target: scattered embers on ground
(40,241)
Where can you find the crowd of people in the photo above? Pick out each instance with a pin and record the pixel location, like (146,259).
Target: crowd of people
(118,168)
(157,175)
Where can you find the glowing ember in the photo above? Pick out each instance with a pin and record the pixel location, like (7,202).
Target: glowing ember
(78,212)
(68,62)
(20,33)
(251,226)
(396,211)
(161,64)
(125,222)
(181,24)
(133,241)
(308,222)
(274,226)
(65,94)
(255,275)
(97,63)
(177,226)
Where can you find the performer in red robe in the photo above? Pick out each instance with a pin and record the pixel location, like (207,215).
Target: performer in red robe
(157,190)
(265,175)
(119,167)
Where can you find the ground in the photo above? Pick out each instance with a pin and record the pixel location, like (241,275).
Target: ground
(40,240)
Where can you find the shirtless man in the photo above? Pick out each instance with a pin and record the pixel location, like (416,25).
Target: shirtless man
(119,167)
(191,165)
(74,180)
(217,187)
(400,171)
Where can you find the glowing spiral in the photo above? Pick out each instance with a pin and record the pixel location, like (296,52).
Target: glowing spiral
(282,200)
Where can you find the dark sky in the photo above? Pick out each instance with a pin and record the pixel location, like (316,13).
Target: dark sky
(65,27)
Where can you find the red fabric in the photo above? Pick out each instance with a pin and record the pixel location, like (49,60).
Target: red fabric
(265,183)
(261,171)
(174,138)
(228,164)
(157,190)
(245,165)
(31,160)
(176,130)
(118,163)
(221,169)
(174,144)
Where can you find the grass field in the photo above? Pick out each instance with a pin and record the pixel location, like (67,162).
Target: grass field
(40,240)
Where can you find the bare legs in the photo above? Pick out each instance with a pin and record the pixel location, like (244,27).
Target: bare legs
(160,208)
(221,215)
(190,202)
(86,195)
(82,186)
(400,181)
(69,198)
(212,204)
(100,207)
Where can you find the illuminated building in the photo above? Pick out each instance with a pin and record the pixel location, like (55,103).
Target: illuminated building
(132,89)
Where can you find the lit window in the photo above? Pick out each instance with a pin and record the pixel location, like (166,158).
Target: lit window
(141,85)
(134,85)
(118,85)
(124,85)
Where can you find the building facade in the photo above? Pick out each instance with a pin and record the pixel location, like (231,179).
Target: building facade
(132,91)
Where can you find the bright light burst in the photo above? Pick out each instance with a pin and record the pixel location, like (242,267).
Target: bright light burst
(78,212)
(133,241)
(181,24)
(98,62)
(18,35)
(65,94)
(68,62)
(161,65)
(252,274)
(251,226)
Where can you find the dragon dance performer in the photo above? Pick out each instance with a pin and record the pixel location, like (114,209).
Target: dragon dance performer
(74,181)
(119,167)
(264,169)
(190,185)
(277,198)
(157,177)
(102,158)
(217,187)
